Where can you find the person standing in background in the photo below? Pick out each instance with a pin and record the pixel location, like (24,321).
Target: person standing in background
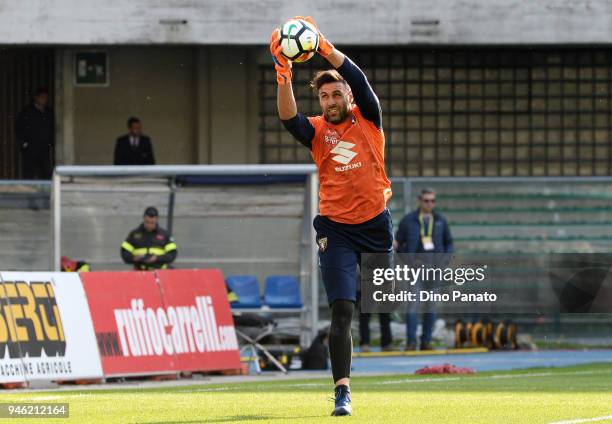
(423,231)
(35,131)
(134,148)
(384,320)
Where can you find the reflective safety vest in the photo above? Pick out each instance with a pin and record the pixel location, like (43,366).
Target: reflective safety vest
(142,244)
(75,266)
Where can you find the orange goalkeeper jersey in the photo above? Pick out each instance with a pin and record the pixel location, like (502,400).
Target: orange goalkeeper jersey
(350,158)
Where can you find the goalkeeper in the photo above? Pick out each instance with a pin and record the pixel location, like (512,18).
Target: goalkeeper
(347,144)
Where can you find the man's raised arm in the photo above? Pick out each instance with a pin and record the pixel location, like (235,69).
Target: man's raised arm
(296,123)
(364,96)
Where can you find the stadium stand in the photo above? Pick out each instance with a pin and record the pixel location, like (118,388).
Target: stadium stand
(523,215)
(520,216)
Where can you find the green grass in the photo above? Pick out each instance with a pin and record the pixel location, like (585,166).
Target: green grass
(530,396)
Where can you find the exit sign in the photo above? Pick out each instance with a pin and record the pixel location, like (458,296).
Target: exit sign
(91,68)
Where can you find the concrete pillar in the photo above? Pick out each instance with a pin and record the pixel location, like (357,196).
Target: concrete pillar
(228,101)
(64,107)
(202,106)
(226,106)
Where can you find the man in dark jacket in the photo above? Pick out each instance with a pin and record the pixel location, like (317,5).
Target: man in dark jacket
(134,148)
(149,246)
(35,131)
(423,231)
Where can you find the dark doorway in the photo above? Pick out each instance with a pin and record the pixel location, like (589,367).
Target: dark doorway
(22,71)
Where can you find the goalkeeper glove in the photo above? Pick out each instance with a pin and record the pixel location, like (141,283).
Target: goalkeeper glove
(325,47)
(281,63)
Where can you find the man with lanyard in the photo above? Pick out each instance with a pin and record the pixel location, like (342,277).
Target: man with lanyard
(423,231)
(347,144)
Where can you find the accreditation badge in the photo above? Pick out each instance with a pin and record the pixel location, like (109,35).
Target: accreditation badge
(427,243)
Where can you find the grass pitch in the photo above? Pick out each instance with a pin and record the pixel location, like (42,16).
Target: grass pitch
(541,395)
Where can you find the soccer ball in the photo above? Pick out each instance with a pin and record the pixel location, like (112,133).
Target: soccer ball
(299,40)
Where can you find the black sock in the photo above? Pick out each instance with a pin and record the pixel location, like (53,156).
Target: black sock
(342,386)
(340,340)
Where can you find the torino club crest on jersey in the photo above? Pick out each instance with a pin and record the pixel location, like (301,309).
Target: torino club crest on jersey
(331,137)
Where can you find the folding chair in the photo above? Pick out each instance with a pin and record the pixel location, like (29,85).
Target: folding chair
(260,327)
(251,328)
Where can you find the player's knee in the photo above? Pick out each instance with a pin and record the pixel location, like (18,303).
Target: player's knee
(342,315)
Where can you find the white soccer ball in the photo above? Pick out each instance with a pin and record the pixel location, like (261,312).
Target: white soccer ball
(299,40)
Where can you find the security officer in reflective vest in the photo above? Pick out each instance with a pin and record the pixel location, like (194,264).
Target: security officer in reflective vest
(149,246)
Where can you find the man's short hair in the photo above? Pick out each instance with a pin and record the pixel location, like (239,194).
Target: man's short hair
(324,77)
(151,212)
(132,120)
(427,191)
(41,90)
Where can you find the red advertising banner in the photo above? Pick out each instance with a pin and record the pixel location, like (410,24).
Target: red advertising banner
(205,337)
(121,305)
(163,321)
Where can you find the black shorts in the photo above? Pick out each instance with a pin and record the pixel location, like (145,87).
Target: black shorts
(340,249)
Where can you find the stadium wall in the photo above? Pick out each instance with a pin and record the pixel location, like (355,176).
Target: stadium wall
(154,84)
(376,22)
(508,111)
(203,102)
(198,104)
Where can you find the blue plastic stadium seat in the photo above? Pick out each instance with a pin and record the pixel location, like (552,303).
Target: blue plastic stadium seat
(246,288)
(282,291)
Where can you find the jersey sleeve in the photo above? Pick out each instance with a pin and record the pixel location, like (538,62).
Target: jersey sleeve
(300,127)
(364,96)
(127,249)
(170,250)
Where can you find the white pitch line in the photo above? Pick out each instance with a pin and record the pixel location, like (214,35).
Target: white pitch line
(488,377)
(407,380)
(56,397)
(584,420)
(226,389)
(417,380)
(231,387)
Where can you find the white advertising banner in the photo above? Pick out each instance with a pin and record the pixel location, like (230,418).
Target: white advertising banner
(46,332)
